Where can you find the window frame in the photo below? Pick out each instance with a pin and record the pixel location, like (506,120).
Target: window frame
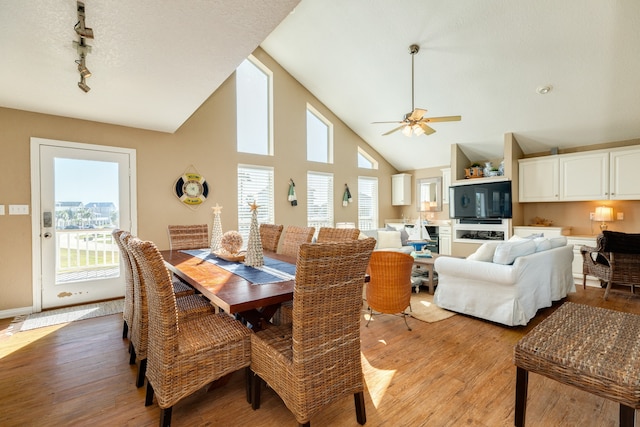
(329,221)
(329,143)
(375,202)
(244,212)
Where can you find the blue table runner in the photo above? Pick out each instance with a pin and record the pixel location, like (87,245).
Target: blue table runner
(273,271)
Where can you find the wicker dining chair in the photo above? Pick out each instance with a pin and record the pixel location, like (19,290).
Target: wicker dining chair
(294,236)
(184,354)
(270,236)
(188,236)
(328,234)
(315,360)
(127,310)
(389,288)
(188,306)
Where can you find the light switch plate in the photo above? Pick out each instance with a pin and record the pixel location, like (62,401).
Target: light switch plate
(18,209)
(1,209)
(620,216)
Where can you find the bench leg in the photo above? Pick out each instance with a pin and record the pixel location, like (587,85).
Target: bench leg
(627,416)
(522,382)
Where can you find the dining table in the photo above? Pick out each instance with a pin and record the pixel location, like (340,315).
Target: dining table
(254,304)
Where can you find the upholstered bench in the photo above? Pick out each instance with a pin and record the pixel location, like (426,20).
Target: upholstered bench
(591,348)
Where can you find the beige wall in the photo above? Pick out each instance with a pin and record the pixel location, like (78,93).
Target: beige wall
(206,141)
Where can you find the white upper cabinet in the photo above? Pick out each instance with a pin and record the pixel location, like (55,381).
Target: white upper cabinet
(539,179)
(624,182)
(584,176)
(401,189)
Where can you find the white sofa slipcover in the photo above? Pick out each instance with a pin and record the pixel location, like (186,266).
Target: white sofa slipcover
(507,294)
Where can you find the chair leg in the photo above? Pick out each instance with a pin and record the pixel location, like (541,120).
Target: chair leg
(522,382)
(256,385)
(627,416)
(142,371)
(307,424)
(132,357)
(148,399)
(370,317)
(165,417)
(405,315)
(606,292)
(248,378)
(361,414)
(125,329)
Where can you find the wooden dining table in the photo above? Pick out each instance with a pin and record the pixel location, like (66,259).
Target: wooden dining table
(255,304)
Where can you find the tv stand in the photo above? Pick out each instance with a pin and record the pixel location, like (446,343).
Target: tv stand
(481,230)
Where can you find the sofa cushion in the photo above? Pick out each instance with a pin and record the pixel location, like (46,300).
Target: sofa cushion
(484,252)
(389,239)
(542,244)
(507,252)
(556,242)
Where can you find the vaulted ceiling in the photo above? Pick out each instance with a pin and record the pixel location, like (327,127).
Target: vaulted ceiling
(155,62)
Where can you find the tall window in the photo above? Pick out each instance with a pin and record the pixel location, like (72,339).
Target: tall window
(319,137)
(254,183)
(367,203)
(254,118)
(319,199)
(366,160)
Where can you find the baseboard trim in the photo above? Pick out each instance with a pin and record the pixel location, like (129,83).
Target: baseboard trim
(13,312)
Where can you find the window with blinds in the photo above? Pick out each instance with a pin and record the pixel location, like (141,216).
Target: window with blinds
(254,88)
(254,183)
(367,203)
(319,199)
(319,137)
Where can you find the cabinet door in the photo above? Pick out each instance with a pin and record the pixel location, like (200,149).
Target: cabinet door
(538,180)
(445,240)
(584,176)
(446,183)
(624,185)
(401,189)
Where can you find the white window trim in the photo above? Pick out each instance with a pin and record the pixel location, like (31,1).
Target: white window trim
(330,200)
(271,208)
(375,203)
(369,157)
(255,61)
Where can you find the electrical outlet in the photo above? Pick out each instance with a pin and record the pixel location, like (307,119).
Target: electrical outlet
(620,216)
(1,209)
(591,215)
(18,209)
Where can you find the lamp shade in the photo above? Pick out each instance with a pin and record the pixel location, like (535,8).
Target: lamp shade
(603,213)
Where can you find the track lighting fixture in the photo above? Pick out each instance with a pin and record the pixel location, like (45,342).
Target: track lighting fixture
(82,48)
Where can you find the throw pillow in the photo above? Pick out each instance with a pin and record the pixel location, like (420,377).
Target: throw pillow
(389,239)
(556,242)
(506,253)
(485,252)
(404,236)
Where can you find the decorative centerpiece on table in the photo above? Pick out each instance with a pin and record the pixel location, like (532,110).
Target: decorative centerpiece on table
(216,233)
(230,243)
(254,256)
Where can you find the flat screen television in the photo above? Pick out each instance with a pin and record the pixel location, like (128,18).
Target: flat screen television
(486,200)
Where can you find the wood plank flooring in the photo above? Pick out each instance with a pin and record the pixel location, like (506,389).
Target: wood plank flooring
(455,372)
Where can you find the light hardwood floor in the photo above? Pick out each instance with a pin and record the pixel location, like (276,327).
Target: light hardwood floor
(455,372)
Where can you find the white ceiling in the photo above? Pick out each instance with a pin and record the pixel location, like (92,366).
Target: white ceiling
(155,62)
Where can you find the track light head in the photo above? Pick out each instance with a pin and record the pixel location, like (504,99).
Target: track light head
(80,27)
(82,68)
(82,85)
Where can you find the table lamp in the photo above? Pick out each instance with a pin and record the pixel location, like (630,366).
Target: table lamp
(603,214)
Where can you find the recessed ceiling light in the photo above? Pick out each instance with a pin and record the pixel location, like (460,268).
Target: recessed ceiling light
(543,90)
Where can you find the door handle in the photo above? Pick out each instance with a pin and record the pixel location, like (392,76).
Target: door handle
(47,235)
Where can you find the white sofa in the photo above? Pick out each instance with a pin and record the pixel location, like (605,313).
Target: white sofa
(510,294)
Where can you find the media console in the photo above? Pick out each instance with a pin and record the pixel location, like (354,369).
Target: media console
(481,230)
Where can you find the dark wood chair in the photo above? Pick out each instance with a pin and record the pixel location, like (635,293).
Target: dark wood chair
(315,360)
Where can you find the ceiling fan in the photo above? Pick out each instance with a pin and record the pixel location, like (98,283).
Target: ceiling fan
(415,122)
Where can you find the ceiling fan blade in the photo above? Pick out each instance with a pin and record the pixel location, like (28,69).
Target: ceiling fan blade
(417,114)
(393,130)
(442,119)
(396,121)
(427,129)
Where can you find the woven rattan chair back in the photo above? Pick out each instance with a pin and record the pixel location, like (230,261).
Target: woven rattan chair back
(320,361)
(270,236)
(188,236)
(127,311)
(184,359)
(328,234)
(389,287)
(295,236)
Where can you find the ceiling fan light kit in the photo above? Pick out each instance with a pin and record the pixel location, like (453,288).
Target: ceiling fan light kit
(414,123)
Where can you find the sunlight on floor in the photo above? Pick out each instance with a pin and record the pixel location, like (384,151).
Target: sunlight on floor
(377,380)
(17,341)
(426,303)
